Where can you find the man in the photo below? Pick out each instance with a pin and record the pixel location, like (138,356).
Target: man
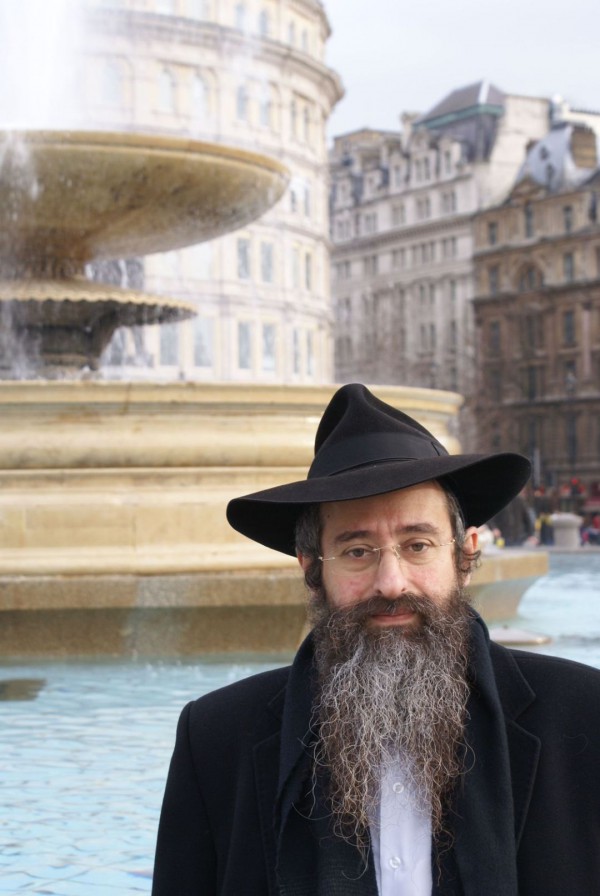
(402,752)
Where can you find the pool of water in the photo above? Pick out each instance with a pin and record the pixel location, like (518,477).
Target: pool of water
(84,747)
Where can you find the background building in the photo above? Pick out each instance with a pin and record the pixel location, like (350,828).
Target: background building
(251,74)
(401,226)
(537,265)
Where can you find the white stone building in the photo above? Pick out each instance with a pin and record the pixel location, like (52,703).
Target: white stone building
(401,226)
(250,74)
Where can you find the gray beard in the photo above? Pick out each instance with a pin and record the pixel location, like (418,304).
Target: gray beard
(384,693)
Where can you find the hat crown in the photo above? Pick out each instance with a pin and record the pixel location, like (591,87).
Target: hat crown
(358,430)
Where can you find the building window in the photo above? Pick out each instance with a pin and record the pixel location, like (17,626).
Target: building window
(492,233)
(244,345)
(398,258)
(528,218)
(264,25)
(370,265)
(169,345)
(310,355)
(266,262)
(296,350)
(569,328)
(570,377)
(203,342)
(243,258)
(241,103)
(240,16)
(295,267)
(308,277)
(293,117)
(494,334)
(306,123)
(199,98)
(265,109)
(268,348)
(530,279)
(494,280)
(453,336)
(532,385)
(398,215)
(495,381)
(568,267)
(307,201)
(166,91)
(533,331)
(568,218)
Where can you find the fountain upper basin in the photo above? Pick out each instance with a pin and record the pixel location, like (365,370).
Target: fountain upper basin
(85,195)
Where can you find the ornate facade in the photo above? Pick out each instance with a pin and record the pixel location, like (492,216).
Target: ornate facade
(401,218)
(250,74)
(537,267)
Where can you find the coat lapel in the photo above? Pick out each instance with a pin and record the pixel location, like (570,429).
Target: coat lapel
(524,747)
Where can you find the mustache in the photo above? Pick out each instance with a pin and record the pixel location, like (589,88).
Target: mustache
(359,613)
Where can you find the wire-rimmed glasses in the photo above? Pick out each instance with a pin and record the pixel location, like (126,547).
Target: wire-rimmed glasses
(360,558)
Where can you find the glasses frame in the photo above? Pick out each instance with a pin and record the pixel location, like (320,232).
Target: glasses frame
(400,552)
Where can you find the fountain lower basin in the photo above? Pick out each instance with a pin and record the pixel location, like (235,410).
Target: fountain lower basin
(113,537)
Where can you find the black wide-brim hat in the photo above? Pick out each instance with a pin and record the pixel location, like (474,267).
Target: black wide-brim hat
(366,447)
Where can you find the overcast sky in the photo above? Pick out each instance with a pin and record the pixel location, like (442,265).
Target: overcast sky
(396,55)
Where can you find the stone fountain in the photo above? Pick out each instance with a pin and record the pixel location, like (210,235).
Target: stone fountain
(113,538)
(69,198)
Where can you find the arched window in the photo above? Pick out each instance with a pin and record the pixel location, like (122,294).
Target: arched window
(530,278)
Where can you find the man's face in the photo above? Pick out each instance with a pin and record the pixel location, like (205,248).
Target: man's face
(416,518)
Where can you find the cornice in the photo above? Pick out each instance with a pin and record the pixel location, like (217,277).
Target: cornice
(138,26)
(435,227)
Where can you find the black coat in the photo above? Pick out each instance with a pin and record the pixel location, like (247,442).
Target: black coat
(233,822)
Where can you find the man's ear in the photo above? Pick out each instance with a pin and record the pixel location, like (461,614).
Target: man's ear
(470,546)
(303,560)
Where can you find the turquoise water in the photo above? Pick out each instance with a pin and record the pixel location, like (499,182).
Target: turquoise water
(84,747)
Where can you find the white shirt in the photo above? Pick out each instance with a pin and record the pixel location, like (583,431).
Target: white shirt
(401,836)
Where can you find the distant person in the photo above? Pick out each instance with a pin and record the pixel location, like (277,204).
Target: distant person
(402,753)
(514,523)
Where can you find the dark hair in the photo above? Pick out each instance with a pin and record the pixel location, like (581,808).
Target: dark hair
(309,530)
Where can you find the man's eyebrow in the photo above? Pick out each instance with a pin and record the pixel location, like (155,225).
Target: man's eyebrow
(410,529)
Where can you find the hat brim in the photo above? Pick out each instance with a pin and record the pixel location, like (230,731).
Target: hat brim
(482,484)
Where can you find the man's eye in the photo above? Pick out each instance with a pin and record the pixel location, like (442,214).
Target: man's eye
(357,553)
(416,547)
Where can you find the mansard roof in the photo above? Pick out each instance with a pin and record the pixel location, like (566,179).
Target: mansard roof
(464,102)
(470,115)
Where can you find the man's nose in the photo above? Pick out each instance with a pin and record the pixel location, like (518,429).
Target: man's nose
(390,577)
